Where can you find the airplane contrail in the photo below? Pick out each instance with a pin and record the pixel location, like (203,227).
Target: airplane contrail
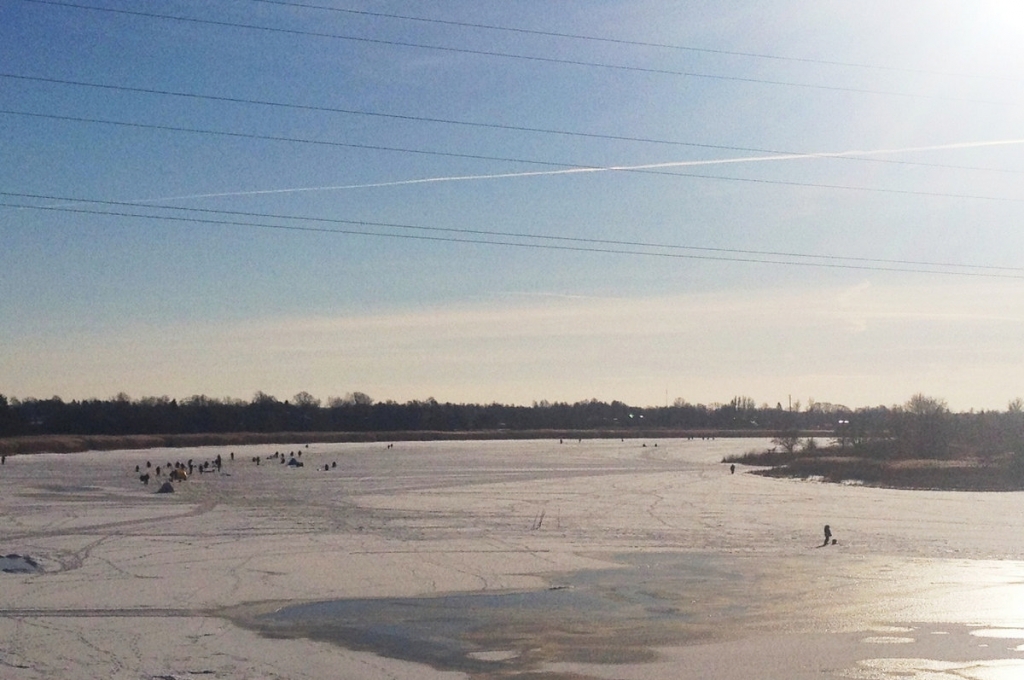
(596,169)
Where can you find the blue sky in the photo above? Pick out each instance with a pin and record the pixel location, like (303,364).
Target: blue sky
(767,175)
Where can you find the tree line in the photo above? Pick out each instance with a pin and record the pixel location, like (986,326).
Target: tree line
(357,412)
(921,424)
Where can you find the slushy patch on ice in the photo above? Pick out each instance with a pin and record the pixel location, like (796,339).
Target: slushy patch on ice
(1003,633)
(614,616)
(501,655)
(19,564)
(931,669)
(887,640)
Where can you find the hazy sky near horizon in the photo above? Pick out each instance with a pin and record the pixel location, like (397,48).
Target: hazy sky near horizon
(513,201)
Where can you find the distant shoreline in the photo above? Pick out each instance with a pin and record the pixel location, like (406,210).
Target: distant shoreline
(74,443)
(844,466)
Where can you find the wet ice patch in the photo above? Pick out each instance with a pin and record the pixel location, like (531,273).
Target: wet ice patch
(887,640)
(19,564)
(495,655)
(1003,633)
(607,616)
(931,669)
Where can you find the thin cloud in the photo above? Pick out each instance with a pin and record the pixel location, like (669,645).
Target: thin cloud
(560,348)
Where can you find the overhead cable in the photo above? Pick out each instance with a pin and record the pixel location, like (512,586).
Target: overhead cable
(475,124)
(510,55)
(623,41)
(545,241)
(650,169)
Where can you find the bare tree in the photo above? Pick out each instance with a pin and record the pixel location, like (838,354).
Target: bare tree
(787,440)
(350,399)
(742,403)
(923,405)
(925,427)
(305,399)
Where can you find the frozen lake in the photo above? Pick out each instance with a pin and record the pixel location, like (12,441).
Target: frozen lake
(592,559)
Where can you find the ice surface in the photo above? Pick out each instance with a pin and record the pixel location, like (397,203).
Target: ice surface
(136,584)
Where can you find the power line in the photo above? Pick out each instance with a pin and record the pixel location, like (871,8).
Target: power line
(548,241)
(635,43)
(474,124)
(567,166)
(378,114)
(279,138)
(509,55)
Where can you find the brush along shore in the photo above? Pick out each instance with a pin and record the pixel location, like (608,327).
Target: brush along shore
(962,471)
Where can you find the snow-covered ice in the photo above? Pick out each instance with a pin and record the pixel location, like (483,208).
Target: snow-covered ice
(724,571)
